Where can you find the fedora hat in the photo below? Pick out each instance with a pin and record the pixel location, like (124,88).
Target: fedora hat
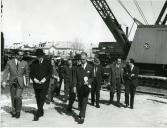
(96,61)
(39,52)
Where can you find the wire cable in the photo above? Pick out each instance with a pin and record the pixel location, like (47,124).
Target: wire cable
(140,11)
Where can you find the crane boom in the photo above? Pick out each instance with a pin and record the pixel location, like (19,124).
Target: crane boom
(161,14)
(112,23)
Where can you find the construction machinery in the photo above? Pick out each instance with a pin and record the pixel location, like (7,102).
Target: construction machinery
(148,48)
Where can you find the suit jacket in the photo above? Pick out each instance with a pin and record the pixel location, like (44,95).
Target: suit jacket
(16,74)
(99,74)
(81,73)
(133,80)
(40,71)
(54,73)
(70,76)
(112,76)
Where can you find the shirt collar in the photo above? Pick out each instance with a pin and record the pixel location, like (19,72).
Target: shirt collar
(132,67)
(16,61)
(41,61)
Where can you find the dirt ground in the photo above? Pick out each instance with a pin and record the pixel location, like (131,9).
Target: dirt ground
(149,111)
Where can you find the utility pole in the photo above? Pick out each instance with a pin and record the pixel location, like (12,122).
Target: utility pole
(2,41)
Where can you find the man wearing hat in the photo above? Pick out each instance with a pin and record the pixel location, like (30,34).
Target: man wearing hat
(40,73)
(17,68)
(96,84)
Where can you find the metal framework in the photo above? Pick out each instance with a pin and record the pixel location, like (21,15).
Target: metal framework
(161,14)
(112,23)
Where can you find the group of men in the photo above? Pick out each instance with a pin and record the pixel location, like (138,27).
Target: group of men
(79,80)
(126,75)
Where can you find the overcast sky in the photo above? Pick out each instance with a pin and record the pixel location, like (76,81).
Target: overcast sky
(32,21)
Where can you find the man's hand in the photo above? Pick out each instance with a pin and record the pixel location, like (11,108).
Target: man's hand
(86,80)
(3,84)
(36,81)
(132,75)
(43,80)
(74,89)
(89,86)
(27,84)
(58,79)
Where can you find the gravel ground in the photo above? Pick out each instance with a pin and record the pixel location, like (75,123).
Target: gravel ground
(149,111)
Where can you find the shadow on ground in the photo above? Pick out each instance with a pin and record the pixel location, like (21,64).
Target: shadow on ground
(158,101)
(61,108)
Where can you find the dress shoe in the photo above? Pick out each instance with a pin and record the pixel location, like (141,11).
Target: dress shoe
(47,102)
(126,105)
(118,105)
(110,102)
(97,106)
(52,101)
(69,110)
(17,115)
(81,120)
(13,115)
(41,113)
(131,107)
(36,118)
(92,103)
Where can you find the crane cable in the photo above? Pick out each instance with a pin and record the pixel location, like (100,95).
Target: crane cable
(134,21)
(131,29)
(140,11)
(125,8)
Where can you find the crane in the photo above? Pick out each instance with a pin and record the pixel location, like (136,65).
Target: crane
(110,20)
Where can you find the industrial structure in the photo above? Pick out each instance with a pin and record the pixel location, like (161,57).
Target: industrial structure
(148,47)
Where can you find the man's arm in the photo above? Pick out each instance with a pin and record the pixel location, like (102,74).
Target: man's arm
(136,73)
(6,72)
(90,79)
(110,75)
(5,75)
(74,77)
(49,73)
(32,71)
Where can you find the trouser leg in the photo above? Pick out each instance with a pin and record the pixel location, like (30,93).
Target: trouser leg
(79,101)
(84,101)
(37,96)
(97,95)
(72,97)
(93,89)
(112,91)
(18,99)
(127,93)
(52,90)
(132,95)
(118,88)
(13,101)
(48,96)
(66,90)
(57,90)
(42,100)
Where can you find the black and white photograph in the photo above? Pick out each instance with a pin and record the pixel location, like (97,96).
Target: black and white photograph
(83,63)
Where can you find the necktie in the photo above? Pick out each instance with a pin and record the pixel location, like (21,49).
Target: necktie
(83,66)
(17,65)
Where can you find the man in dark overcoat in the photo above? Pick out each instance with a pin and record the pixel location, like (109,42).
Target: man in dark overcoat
(40,74)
